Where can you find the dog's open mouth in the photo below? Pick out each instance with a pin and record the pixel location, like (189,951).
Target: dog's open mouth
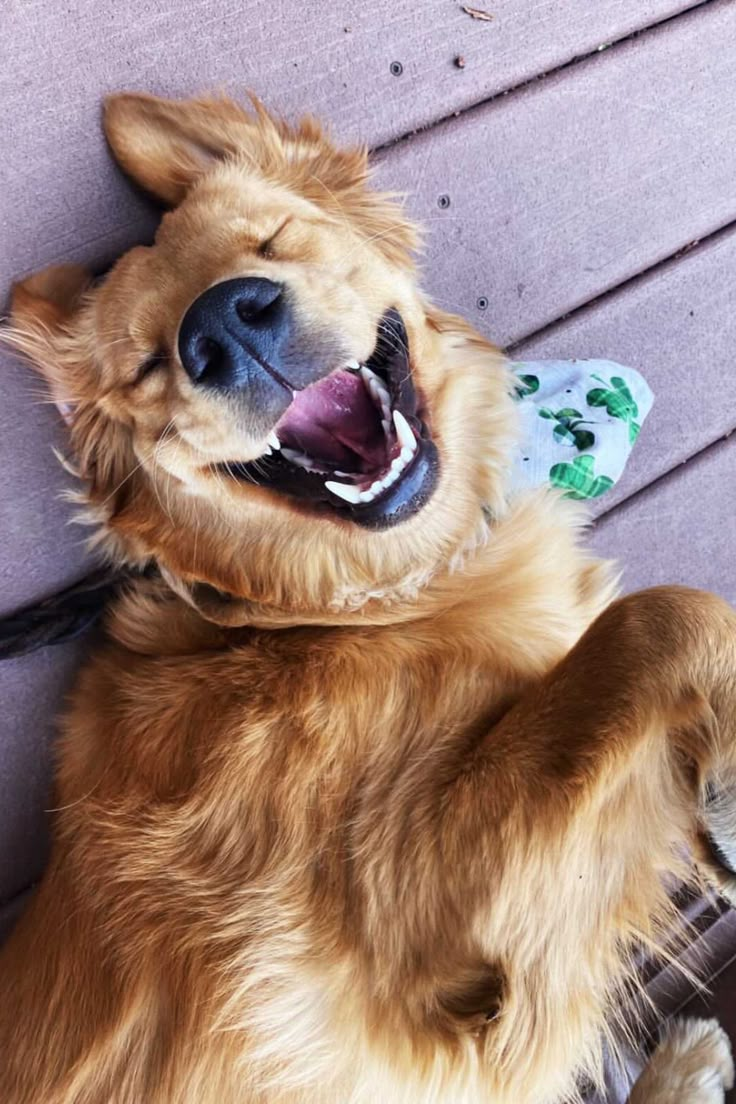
(354,441)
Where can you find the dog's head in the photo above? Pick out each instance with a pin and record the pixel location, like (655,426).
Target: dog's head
(262,401)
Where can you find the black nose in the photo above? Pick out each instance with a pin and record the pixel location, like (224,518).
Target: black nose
(233,332)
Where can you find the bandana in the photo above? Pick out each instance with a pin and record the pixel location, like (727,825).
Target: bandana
(580,420)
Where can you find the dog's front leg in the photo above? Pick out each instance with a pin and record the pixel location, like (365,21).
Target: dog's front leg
(576,810)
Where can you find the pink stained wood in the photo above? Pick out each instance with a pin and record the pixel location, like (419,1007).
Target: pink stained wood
(677,326)
(681,529)
(538,202)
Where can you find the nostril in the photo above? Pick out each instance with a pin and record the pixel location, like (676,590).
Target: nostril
(232,327)
(257,309)
(207,358)
(247,310)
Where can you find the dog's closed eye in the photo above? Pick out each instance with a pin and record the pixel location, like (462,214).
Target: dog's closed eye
(266,247)
(156,360)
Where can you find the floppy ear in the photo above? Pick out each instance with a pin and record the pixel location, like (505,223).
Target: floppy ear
(165,145)
(42,308)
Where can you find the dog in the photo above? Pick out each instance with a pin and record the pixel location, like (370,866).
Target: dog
(373,787)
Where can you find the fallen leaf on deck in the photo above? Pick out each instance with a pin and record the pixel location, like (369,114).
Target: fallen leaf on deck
(476,13)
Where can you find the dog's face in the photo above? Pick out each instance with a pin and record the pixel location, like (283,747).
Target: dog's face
(262,400)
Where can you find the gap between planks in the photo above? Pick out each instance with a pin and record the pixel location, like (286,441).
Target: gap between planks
(579,59)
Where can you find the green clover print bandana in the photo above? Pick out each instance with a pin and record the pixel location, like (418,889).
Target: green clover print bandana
(580,421)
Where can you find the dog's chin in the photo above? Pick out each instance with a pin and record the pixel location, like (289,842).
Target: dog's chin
(355,444)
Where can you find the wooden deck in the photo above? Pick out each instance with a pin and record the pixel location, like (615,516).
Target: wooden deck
(588,152)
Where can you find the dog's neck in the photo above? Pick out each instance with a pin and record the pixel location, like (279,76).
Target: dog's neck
(481,594)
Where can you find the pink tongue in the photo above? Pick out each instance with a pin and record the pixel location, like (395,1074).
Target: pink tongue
(335,420)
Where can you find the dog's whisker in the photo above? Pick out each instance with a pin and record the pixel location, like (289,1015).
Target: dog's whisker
(156,464)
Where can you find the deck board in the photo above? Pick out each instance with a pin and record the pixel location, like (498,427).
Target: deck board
(297,56)
(32,690)
(677,326)
(681,529)
(580,181)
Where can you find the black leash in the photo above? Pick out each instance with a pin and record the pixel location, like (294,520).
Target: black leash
(60,618)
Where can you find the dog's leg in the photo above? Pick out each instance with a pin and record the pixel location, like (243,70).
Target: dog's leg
(570,819)
(691,1065)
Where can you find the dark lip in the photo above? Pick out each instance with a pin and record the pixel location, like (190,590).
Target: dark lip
(409,494)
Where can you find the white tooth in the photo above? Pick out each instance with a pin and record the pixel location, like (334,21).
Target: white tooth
(293,456)
(352,366)
(404,433)
(273,440)
(344,491)
(399,463)
(386,424)
(392,476)
(266,451)
(380,392)
(376,487)
(367,375)
(300,459)
(367,496)
(407,453)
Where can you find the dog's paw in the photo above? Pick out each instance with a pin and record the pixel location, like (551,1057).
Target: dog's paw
(691,1065)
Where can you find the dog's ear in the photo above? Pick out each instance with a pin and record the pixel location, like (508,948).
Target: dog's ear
(165,145)
(42,313)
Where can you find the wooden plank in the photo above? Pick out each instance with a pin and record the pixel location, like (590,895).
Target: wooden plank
(677,326)
(680,530)
(298,56)
(40,551)
(32,690)
(580,181)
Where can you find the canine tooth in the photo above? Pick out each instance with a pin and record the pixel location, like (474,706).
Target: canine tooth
(352,366)
(404,433)
(407,453)
(273,440)
(386,426)
(344,491)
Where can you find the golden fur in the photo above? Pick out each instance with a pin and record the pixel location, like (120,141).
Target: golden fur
(343,815)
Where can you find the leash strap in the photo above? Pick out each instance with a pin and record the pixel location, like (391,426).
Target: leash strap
(61,618)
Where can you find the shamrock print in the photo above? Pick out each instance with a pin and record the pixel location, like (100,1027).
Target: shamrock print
(618,402)
(567,431)
(578,479)
(528,385)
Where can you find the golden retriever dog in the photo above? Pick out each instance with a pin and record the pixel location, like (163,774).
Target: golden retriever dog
(372,791)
